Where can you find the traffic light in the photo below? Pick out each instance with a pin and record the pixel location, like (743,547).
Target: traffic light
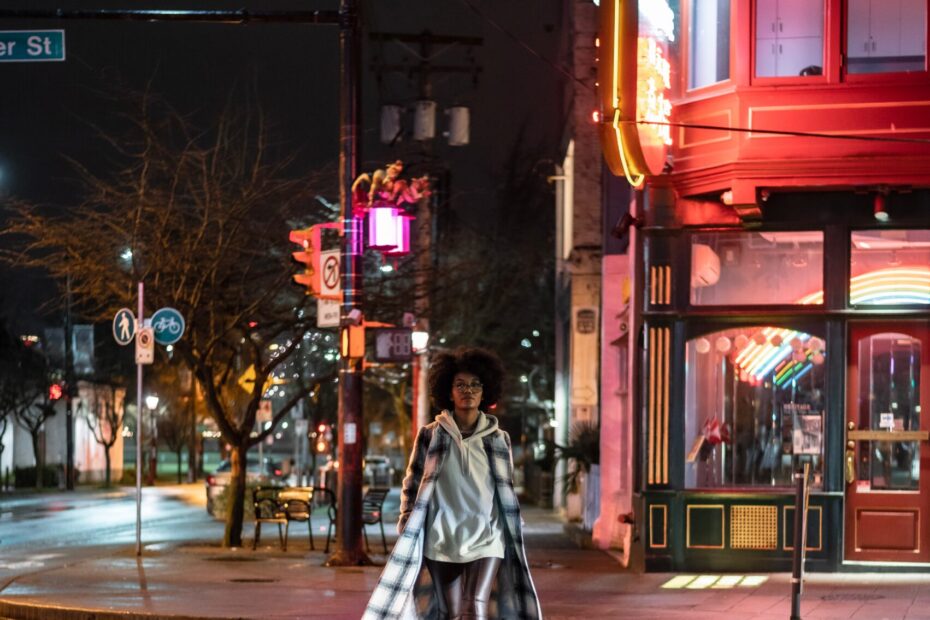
(324,438)
(309,240)
(55,391)
(353,342)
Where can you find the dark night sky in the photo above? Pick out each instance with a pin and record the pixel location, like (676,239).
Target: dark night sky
(296,69)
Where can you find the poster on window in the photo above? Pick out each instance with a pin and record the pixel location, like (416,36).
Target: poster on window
(808,434)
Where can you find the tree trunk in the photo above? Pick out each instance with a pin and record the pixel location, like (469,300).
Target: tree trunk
(36,453)
(192,442)
(234,510)
(106,475)
(178,453)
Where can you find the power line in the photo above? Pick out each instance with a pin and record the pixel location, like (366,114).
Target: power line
(525,45)
(787,132)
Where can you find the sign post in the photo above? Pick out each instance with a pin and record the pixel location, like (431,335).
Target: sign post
(139,435)
(167,327)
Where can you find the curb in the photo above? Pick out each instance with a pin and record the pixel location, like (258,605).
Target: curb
(35,611)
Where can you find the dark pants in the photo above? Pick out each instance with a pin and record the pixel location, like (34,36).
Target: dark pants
(463,589)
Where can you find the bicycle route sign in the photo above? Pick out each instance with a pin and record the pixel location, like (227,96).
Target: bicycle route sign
(124,326)
(168,325)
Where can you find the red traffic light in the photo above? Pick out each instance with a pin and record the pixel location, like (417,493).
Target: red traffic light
(309,239)
(55,391)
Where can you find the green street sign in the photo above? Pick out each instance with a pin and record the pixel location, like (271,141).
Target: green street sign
(32,45)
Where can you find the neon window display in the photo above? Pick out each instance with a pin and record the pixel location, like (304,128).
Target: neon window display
(889,267)
(754,406)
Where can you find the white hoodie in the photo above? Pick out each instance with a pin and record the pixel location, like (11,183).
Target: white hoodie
(463,522)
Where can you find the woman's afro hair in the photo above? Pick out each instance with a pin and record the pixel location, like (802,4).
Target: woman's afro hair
(480,362)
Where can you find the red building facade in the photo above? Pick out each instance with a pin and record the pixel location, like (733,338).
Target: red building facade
(783,267)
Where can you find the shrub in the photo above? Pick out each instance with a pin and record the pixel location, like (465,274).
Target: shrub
(25,477)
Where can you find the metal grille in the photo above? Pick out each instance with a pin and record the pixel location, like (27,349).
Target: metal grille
(753,527)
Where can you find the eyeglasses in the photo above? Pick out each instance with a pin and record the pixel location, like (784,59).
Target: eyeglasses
(474,386)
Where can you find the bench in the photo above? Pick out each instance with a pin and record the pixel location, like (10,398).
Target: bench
(281,505)
(373,512)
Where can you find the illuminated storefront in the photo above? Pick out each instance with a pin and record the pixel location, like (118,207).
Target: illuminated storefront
(783,274)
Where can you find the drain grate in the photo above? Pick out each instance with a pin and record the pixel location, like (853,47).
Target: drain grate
(553,565)
(252,580)
(851,596)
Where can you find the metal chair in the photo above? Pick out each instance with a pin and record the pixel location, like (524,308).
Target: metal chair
(267,510)
(324,496)
(296,505)
(372,512)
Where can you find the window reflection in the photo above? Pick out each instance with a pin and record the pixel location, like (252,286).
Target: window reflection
(789,37)
(744,268)
(889,400)
(886,35)
(753,407)
(709,53)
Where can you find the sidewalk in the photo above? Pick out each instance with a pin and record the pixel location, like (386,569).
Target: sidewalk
(205,581)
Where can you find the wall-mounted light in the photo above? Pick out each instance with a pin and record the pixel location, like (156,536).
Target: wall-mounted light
(879,208)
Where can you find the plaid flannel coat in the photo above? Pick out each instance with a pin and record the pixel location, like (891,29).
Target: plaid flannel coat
(404,590)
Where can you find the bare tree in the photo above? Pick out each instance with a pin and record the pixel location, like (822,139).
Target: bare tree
(104,411)
(201,216)
(174,429)
(11,379)
(25,379)
(35,406)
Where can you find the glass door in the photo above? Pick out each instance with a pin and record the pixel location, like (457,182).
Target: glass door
(887,452)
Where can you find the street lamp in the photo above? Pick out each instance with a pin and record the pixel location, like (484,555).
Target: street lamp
(151,402)
(419,340)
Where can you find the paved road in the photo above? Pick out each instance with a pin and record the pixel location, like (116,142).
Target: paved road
(61,520)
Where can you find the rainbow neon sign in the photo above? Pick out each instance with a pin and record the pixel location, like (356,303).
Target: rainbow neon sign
(775,354)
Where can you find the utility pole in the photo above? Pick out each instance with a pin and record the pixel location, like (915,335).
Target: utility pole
(349,526)
(425,47)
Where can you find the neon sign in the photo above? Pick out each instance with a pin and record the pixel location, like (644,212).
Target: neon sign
(635,83)
(774,350)
(652,104)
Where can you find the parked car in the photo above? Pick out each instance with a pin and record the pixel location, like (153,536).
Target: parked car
(378,471)
(270,473)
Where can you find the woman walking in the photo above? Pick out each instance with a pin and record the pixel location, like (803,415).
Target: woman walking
(459,515)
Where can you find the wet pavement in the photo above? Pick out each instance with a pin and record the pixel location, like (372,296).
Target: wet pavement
(188,575)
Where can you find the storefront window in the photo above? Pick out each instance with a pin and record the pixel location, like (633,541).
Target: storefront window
(889,267)
(789,38)
(885,36)
(754,408)
(709,53)
(740,268)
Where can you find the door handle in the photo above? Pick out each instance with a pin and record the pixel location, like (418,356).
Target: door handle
(850,462)
(888,435)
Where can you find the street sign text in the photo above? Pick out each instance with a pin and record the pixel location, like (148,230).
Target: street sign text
(32,45)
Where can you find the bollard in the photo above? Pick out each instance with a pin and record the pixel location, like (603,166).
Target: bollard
(800,540)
